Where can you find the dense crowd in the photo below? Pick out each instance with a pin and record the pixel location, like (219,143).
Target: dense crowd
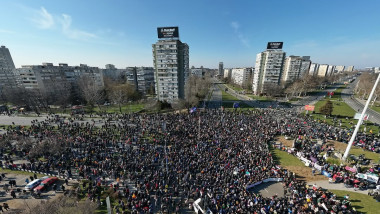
(213,155)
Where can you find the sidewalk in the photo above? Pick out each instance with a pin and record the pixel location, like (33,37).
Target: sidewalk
(336,186)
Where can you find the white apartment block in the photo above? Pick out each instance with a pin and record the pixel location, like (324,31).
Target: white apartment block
(241,76)
(141,77)
(349,68)
(377,70)
(339,68)
(313,69)
(292,69)
(227,73)
(322,70)
(330,70)
(268,70)
(171,64)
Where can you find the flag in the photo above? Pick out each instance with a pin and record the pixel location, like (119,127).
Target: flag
(194,109)
(236,105)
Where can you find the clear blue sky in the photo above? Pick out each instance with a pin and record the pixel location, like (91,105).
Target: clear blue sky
(121,32)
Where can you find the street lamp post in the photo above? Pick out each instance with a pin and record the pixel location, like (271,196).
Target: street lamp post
(361,119)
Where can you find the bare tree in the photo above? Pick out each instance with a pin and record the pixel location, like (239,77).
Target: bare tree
(90,91)
(119,94)
(196,89)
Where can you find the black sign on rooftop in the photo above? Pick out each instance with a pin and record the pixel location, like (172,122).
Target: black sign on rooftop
(167,32)
(275,45)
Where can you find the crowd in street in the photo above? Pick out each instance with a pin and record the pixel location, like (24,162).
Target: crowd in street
(213,155)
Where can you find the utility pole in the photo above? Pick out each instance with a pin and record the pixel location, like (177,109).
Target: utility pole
(361,119)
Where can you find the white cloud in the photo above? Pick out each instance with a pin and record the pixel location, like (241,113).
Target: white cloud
(239,34)
(43,19)
(73,33)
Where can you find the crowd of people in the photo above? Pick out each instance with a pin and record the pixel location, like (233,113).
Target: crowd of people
(213,155)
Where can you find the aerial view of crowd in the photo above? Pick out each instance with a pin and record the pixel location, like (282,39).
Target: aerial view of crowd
(212,154)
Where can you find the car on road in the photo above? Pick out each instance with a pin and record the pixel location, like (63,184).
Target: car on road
(46,183)
(33,184)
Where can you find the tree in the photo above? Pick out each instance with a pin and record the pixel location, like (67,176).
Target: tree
(196,89)
(119,94)
(91,92)
(327,109)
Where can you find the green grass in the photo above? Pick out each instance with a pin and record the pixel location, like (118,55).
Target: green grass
(339,108)
(261,98)
(236,88)
(362,203)
(375,157)
(8,171)
(285,159)
(333,161)
(376,108)
(228,97)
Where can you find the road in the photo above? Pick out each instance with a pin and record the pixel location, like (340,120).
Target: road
(358,105)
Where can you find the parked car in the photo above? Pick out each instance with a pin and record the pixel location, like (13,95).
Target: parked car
(46,183)
(33,184)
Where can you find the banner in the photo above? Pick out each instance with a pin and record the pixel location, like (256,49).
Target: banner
(350,169)
(318,167)
(309,108)
(372,178)
(266,180)
(167,32)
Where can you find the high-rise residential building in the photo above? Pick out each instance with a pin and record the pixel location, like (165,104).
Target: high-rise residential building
(242,76)
(339,68)
(292,69)
(313,69)
(349,68)
(171,64)
(227,73)
(322,70)
(142,78)
(377,70)
(305,65)
(221,71)
(268,69)
(7,78)
(330,70)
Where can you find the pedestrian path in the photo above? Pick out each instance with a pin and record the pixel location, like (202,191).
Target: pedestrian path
(335,186)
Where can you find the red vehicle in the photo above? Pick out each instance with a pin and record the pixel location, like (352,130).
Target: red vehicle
(46,183)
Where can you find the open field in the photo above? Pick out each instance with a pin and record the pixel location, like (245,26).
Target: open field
(362,203)
(295,165)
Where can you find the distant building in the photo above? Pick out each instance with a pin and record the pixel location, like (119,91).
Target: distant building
(330,70)
(349,68)
(142,78)
(7,78)
(268,70)
(171,64)
(322,70)
(305,65)
(292,69)
(377,70)
(220,73)
(339,68)
(242,76)
(313,71)
(227,73)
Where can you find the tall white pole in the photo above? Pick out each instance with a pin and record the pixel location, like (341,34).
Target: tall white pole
(361,119)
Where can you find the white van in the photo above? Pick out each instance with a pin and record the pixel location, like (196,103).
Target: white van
(33,184)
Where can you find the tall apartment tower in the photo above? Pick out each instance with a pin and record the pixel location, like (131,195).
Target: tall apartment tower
(268,68)
(171,65)
(292,69)
(7,78)
(221,71)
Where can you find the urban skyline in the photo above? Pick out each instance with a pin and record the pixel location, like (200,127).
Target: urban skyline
(121,33)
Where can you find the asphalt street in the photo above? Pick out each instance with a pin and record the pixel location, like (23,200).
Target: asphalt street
(358,105)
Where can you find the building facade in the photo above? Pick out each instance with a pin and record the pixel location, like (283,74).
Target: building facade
(242,76)
(227,73)
(292,69)
(171,65)
(313,71)
(142,78)
(322,70)
(268,70)
(7,67)
(221,71)
(305,66)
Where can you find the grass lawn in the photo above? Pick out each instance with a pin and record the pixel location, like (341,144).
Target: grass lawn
(362,203)
(376,108)
(261,98)
(228,97)
(339,108)
(236,88)
(285,159)
(295,165)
